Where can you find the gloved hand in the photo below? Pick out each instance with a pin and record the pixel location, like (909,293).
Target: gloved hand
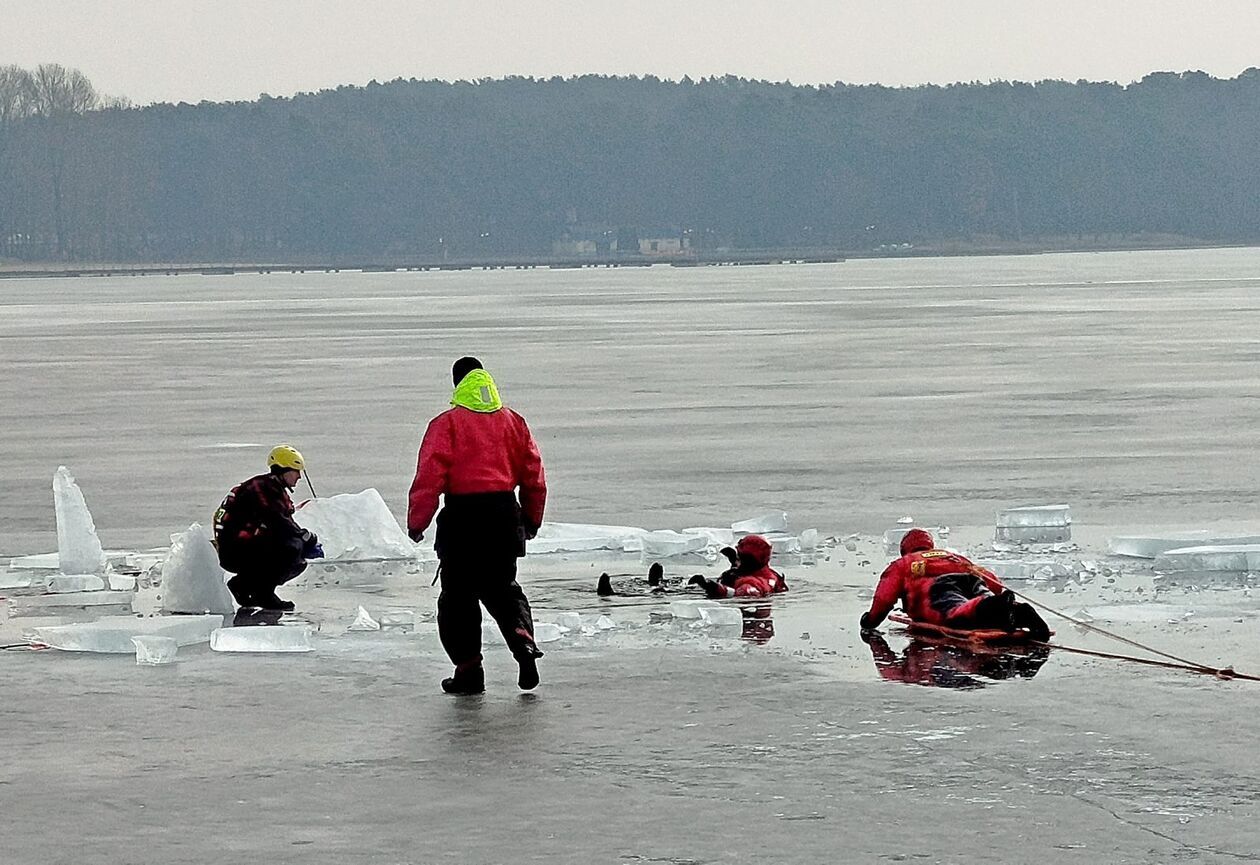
(416,536)
(531,530)
(310,545)
(866,624)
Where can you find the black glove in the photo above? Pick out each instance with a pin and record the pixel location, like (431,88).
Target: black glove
(416,536)
(866,624)
(531,530)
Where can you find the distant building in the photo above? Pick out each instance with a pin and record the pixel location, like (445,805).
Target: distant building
(665,246)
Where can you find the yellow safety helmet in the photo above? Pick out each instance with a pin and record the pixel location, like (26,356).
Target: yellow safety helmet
(285,457)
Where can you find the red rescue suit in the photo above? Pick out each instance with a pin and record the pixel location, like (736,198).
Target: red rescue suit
(753,578)
(934,586)
(465,452)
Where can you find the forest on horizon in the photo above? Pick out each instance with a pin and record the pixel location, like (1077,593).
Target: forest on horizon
(413,171)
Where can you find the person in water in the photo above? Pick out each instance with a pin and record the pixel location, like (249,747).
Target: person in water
(750,574)
(938,587)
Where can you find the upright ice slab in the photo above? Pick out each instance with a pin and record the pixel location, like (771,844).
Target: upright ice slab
(78,548)
(356,526)
(1034,524)
(112,634)
(192,581)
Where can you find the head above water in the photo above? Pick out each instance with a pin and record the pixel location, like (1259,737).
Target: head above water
(916,540)
(754,552)
(462,367)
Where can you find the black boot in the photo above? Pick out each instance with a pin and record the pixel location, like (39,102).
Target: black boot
(271,601)
(711,588)
(997,611)
(527,679)
(1026,617)
(240,592)
(471,680)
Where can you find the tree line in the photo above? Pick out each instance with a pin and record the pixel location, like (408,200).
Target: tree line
(420,170)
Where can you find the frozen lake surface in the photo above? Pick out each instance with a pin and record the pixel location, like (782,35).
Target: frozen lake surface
(847,395)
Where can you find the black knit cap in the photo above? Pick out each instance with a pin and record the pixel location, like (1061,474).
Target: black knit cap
(463,366)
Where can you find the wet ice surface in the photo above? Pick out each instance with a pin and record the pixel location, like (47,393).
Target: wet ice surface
(660,722)
(717,393)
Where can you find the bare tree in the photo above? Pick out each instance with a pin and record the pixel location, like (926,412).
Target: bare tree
(17,92)
(59,97)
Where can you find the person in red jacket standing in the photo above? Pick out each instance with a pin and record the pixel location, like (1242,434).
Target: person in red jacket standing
(938,587)
(476,455)
(750,575)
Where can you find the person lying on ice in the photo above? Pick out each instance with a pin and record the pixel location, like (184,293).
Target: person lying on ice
(938,587)
(750,575)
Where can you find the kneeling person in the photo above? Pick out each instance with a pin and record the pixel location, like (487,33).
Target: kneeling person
(938,587)
(256,536)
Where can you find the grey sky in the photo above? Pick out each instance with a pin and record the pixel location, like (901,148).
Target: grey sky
(172,50)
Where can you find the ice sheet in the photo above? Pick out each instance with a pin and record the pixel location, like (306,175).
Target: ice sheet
(356,526)
(582,537)
(665,543)
(262,638)
(31,603)
(78,548)
(1239,558)
(1150,546)
(62,583)
(192,581)
(775,521)
(154,649)
(112,634)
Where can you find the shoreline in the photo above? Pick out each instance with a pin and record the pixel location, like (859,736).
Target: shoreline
(728,258)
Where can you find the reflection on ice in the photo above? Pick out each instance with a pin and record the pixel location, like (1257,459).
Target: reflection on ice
(944,664)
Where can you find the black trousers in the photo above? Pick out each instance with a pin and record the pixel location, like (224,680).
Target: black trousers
(951,591)
(467,583)
(259,568)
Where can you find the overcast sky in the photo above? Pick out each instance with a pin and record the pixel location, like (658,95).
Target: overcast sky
(173,50)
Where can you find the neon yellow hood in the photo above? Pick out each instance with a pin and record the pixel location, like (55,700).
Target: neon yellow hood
(476,391)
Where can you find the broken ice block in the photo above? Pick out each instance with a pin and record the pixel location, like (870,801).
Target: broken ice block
(400,620)
(687,609)
(364,622)
(120,583)
(808,540)
(153,649)
(1150,546)
(718,615)
(780,543)
(604,623)
(572,621)
(1034,515)
(546,632)
(1014,569)
(577,537)
(192,581)
(262,638)
(717,537)
(18,581)
(663,544)
(1238,559)
(112,634)
(775,521)
(75,583)
(34,604)
(78,548)
(1032,534)
(356,526)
